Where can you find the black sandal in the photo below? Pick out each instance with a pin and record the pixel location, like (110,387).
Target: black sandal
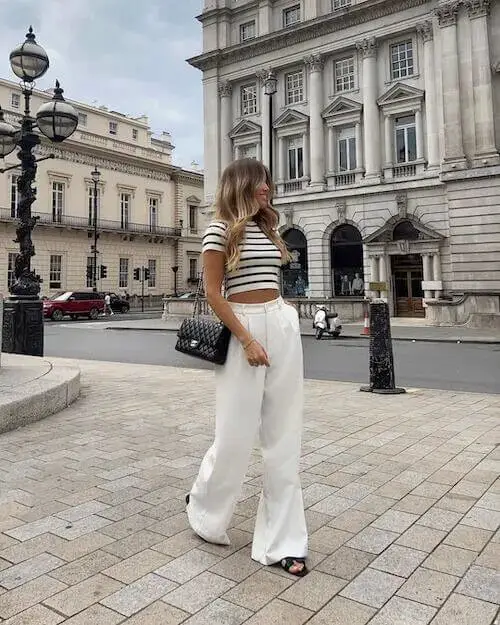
(288,563)
(187,499)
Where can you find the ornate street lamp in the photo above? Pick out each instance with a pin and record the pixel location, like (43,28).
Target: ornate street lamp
(270,88)
(57,120)
(96,176)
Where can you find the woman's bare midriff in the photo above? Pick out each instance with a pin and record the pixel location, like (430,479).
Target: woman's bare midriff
(255,297)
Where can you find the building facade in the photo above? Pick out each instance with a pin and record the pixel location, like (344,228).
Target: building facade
(148,210)
(383,133)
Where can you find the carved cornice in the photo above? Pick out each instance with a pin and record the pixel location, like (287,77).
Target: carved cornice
(478,8)
(314,62)
(225,90)
(325,25)
(367,47)
(102,163)
(426,31)
(448,13)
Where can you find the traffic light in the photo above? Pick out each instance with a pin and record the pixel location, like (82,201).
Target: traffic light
(146,274)
(104,271)
(137,273)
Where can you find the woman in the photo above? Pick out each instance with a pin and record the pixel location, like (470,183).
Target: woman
(260,388)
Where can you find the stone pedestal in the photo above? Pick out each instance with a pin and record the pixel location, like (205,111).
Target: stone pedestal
(22,326)
(382,379)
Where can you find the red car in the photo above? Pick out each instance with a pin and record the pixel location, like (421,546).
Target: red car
(75,304)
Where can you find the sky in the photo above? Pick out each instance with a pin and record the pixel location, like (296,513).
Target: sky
(128,55)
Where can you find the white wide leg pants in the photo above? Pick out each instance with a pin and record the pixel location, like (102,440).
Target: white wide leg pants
(248,400)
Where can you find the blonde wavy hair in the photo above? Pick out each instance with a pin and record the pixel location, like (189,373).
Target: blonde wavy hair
(236,205)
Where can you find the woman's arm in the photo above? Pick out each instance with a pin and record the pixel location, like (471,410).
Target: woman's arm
(213,267)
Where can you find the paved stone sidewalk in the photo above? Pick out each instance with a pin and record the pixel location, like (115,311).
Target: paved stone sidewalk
(402,506)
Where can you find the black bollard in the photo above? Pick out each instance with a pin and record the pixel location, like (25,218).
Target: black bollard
(381,356)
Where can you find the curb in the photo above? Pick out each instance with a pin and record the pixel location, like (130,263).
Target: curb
(468,341)
(38,398)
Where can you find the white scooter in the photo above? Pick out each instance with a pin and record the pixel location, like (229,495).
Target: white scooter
(322,325)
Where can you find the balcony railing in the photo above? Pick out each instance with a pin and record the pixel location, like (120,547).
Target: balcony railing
(293,186)
(404,171)
(345,180)
(47,219)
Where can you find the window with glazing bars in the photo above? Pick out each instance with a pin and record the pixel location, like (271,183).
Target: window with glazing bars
(249,99)
(340,4)
(294,87)
(11,264)
(153,214)
(402,62)
(295,159)
(57,201)
(291,15)
(124,210)
(247,31)
(406,139)
(14,196)
(91,196)
(344,74)
(123,273)
(55,276)
(193,268)
(152,273)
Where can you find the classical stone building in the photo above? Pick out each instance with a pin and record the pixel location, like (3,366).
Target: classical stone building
(384,132)
(148,209)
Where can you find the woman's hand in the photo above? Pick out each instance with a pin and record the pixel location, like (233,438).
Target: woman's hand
(256,355)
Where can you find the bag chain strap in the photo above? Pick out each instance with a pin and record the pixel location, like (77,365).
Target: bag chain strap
(197,301)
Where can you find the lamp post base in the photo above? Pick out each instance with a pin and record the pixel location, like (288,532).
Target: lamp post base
(23,326)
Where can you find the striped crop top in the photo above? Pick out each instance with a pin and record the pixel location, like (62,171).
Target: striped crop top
(260,260)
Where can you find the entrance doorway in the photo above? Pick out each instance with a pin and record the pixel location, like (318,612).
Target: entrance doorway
(407,276)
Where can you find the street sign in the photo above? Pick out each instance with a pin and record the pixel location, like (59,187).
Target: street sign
(377,286)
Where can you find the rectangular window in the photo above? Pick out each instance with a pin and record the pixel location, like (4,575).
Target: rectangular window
(295,159)
(124,210)
(340,4)
(247,31)
(123,273)
(82,119)
(347,150)
(406,139)
(248,96)
(344,74)
(152,273)
(193,218)
(135,134)
(193,268)
(402,63)
(58,192)
(55,276)
(153,214)
(11,263)
(15,100)
(113,128)
(14,196)
(294,87)
(248,151)
(90,272)
(92,206)
(291,16)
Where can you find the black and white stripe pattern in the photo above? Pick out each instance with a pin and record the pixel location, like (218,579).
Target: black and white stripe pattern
(260,260)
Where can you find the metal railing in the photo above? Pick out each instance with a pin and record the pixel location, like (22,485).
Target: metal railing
(404,171)
(48,219)
(292,186)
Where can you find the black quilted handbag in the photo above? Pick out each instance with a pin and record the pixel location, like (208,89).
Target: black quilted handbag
(202,338)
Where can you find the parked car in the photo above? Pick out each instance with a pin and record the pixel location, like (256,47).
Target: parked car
(74,304)
(117,303)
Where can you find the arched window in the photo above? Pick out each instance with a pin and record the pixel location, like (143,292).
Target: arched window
(347,261)
(294,275)
(405,231)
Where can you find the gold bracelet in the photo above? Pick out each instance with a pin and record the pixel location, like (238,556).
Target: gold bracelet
(245,347)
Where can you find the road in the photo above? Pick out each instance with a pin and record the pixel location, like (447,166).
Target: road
(447,366)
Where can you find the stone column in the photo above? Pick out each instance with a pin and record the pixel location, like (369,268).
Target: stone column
(486,152)
(425,30)
(225,94)
(382,274)
(258,151)
(388,125)
(427,263)
(266,112)
(237,152)
(420,134)
(359,146)
(454,157)
(436,266)
(374,271)
(281,160)
(306,157)
(314,64)
(368,49)
(331,149)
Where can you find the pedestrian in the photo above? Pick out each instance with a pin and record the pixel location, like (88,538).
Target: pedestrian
(260,388)
(107,302)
